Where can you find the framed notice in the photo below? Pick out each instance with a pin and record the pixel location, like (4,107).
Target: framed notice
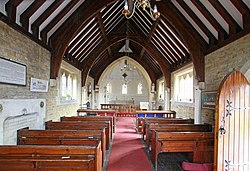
(38,85)
(12,72)
(208,99)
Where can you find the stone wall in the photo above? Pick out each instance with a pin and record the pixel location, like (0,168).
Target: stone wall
(217,65)
(220,63)
(19,48)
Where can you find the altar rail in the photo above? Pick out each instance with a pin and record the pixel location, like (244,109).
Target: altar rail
(122,109)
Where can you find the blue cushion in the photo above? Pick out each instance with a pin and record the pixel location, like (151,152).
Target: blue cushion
(159,115)
(140,115)
(150,115)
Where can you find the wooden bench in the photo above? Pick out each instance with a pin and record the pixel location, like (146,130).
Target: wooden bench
(64,134)
(93,119)
(200,144)
(75,125)
(50,158)
(58,141)
(163,120)
(175,128)
(100,113)
(141,115)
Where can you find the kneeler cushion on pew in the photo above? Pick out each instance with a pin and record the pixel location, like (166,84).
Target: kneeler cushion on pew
(201,144)
(64,134)
(50,158)
(187,166)
(75,125)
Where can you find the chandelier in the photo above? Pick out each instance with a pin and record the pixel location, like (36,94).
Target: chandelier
(127,67)
(145,5)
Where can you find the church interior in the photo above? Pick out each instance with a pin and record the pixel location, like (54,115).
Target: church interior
(124,85)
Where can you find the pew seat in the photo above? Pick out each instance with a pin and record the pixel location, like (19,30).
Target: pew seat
(200,144)
(50,158)
(63,134)
(175,128)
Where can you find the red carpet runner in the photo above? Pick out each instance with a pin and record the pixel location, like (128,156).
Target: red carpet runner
(127,152)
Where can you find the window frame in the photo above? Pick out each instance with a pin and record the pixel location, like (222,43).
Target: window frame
(74,73)
(183,73)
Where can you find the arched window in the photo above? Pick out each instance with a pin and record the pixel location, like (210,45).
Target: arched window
(139,88)
(109,88)
(184,85)
(124,88)
(68,86)
(63,85)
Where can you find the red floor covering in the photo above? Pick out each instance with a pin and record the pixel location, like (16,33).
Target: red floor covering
(127,152)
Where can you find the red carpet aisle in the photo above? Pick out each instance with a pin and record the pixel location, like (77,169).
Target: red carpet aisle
(127,152)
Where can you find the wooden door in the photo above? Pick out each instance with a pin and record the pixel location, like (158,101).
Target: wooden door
(232,124)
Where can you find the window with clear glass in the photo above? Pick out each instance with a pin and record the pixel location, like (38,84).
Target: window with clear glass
(68,86)
(109,88)
(161,90)
(139,88)
(184,85)
(124,89)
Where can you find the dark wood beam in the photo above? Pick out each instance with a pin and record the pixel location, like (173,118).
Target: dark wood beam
(245,12)
(44,16)
(87,63)
(233,25)
(45,31)
(196,47)
(10,8)
(24,18)
(102,27)
(212,39)
(174,39)
(150,34)
(222,34)
(107,62)
(62,37)
(78,42)
(19,29)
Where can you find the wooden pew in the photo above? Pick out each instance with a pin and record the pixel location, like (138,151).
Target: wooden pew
(91,119)
(201,144)
(50,158)
(100,113)
(84,125)
(58,141)
(64,134)
(141,115)
(163,120)
(175,128)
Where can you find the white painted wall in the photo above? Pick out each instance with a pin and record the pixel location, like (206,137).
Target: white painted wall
(113,75)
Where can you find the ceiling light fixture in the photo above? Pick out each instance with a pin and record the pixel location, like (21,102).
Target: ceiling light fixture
(144,4)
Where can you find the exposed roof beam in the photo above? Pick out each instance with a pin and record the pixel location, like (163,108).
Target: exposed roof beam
(104,34)
(189,37)
(55,20)
(244,10)
(150,34)
(222,35)
(233,25)
(107,62)
(62,37)
(78,42)
(10,8)
(212,39)
(96,52)
(24,18)
(44,16)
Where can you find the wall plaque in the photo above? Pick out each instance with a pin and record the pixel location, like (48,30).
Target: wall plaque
(12,72)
